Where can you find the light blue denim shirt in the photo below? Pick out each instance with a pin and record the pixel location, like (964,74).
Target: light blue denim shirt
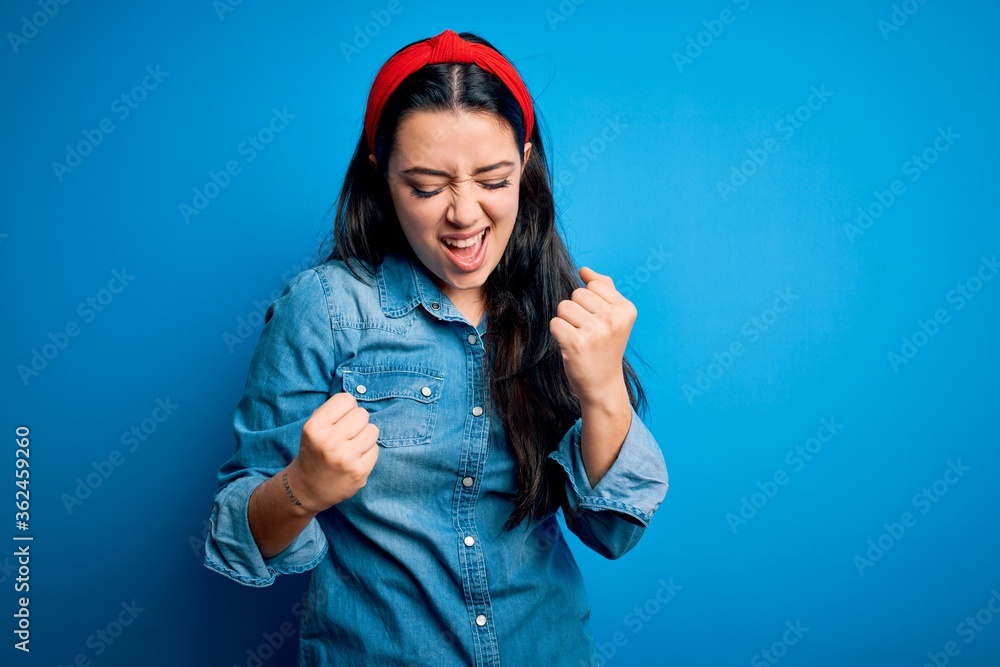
(415,569)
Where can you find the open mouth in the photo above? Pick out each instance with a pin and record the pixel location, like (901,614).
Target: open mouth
(467,254)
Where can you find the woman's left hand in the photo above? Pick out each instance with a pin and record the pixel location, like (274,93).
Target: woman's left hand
(592,329)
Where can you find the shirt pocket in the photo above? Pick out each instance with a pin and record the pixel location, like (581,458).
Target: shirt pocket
(403,403)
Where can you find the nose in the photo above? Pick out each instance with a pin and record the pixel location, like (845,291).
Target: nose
(465,209)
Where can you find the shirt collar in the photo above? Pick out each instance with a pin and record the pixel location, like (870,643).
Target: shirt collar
(404,283)
(400,285)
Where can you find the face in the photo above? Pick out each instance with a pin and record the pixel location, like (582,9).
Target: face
(454,180)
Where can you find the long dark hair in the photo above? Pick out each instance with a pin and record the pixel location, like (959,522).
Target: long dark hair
(527,381)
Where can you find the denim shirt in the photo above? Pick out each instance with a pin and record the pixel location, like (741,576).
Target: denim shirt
(415,569)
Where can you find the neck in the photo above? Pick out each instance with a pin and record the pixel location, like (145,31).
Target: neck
(471,307)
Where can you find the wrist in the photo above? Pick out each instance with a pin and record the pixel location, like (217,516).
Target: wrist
(294,491)
(611,402)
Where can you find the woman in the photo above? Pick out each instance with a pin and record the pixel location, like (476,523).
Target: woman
(420,405)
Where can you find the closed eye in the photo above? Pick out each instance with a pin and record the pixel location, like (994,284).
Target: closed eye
(426,194)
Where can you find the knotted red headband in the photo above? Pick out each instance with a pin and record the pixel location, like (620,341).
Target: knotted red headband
(446,47)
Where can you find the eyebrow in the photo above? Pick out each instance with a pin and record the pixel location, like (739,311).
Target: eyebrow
(435,172)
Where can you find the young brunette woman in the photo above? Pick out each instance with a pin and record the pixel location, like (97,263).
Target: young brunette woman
(421,404)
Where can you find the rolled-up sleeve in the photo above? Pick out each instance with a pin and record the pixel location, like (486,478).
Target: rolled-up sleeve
(611,517)
(290,374)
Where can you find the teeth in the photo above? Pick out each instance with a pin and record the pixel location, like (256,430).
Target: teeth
(465,243)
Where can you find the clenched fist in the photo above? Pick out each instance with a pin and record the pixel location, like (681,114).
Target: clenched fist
(337,452)
(592,329)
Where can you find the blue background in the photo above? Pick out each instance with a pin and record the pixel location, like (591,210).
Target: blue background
(640,139)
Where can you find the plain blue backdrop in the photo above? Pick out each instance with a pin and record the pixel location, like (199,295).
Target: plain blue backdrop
(799,198)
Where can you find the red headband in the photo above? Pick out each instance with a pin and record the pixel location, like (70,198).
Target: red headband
(446,47)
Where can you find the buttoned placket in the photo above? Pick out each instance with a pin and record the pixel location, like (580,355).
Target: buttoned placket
(475,448)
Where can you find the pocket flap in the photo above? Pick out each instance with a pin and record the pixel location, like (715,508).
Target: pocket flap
(375,383)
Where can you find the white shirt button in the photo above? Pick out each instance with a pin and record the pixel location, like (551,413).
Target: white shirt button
(469,540)
(472,339)
(467,481)
(481,619)
(478,410)
(361,388)
(426,391)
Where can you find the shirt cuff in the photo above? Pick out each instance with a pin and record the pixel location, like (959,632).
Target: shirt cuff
(231,550)
(634,485)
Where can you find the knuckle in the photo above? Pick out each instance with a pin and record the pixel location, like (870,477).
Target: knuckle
(333,454)
(573,343)
(336,461)
(326,462)
(309,429)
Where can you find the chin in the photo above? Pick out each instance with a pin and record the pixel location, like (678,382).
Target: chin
(466,282)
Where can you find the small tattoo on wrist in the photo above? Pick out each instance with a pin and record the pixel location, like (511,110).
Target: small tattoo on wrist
(288,489)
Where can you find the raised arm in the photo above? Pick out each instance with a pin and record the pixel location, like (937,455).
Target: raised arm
(336,454)
(615,473)
(287,385)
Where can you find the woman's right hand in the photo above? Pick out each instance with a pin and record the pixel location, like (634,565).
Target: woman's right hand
(337,452)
